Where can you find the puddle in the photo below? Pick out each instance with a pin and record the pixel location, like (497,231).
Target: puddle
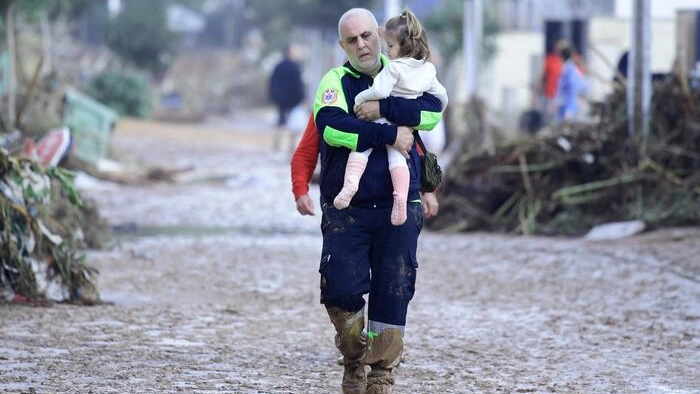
(134,230)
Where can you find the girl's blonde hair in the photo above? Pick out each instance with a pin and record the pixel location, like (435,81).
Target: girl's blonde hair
(410,35)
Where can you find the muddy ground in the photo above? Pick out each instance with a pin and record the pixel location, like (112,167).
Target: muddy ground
(213,287)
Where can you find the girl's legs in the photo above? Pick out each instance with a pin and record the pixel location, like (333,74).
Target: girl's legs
(355,167)
(400,178)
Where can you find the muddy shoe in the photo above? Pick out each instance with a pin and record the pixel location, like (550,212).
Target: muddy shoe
(354,377)
(380,381)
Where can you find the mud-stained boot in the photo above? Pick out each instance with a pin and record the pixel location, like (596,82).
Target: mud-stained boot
(384,350)
(354,377)
(351,341)
(357,162)
(380,380)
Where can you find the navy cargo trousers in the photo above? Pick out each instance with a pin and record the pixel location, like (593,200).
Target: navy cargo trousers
(363,253)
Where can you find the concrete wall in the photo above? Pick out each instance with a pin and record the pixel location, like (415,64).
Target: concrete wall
(660,9)
(611,37)
(506,83)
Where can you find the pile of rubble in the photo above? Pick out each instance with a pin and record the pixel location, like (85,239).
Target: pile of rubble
(583,175)
(44,224)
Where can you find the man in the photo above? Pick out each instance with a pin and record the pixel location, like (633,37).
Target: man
(285,90)
(362,252)
(550,78)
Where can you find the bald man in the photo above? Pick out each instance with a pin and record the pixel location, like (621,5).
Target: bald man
(363,253)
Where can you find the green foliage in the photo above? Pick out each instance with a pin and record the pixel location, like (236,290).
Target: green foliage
(319,14)
(312,13)
(29,237)
(126,92)
(140,35)
(74,9)
(445,29)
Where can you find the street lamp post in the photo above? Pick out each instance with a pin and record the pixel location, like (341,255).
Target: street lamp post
(639,85)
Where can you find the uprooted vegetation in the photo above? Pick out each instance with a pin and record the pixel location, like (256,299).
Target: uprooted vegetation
(43,226)
(583,175)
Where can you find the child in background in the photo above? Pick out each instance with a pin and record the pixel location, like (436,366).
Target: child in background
(407,74)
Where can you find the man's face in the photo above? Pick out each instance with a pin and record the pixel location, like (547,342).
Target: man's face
(360,41)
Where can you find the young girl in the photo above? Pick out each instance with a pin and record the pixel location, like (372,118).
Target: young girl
(408,75)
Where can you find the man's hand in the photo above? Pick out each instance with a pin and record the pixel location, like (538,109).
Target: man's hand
(404,140)
(369,110)
(430,204)
(305,206)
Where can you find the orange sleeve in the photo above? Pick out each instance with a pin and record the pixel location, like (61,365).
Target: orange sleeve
(304,159)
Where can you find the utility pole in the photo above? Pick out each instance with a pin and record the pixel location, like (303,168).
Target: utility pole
(11,72)
(472,30)
(639,85)
(392,8)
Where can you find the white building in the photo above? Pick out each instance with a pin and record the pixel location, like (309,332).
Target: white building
(506,84)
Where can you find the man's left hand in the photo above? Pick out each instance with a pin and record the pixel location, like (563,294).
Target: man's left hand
(430,205)
(368,110)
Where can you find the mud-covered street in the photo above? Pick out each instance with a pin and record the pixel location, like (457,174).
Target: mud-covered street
(211,286)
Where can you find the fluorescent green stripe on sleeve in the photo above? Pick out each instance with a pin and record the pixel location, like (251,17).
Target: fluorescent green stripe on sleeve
(330,94)
(428,120)
(330,91)
(335,137)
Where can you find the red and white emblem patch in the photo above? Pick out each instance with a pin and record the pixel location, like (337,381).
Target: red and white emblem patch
(329,96)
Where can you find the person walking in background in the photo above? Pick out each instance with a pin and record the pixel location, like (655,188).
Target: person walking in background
(550,79)
(285,90)
(408,75)
(570,86)
(362,252)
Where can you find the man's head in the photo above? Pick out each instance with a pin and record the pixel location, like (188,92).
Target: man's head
(359,37)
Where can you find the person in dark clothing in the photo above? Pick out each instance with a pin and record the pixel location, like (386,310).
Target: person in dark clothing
(285,90)
(621,75)
(363,254)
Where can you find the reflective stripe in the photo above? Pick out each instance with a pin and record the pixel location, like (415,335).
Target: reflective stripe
(334,137)
(428,120)
(378,327)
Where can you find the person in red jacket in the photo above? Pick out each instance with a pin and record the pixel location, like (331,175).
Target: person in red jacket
(303,164)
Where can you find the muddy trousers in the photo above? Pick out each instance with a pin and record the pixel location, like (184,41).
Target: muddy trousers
(364,254)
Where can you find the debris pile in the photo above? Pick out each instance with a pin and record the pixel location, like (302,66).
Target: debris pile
(584,175)
(43,223)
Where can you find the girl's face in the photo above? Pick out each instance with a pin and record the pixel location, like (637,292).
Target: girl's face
(392,46)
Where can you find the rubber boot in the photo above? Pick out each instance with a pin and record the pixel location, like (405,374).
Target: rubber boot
(355,167)
(380,380)
(351,341)
(400,178)
(384,351)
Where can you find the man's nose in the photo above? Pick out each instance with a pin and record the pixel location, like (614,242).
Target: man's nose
(361,43)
